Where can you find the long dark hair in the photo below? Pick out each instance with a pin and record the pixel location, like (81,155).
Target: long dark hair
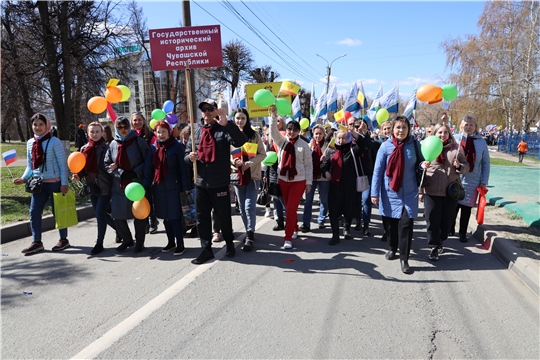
(248,131)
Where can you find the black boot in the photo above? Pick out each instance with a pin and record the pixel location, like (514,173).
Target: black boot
(139,247)
(125,245)
(366,229)
(248,243)
(280,224)
(230,249)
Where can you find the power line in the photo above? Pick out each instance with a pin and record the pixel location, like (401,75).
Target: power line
(227,5)
(234,32)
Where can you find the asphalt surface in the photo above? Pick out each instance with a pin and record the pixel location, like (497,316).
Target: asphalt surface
(315,301)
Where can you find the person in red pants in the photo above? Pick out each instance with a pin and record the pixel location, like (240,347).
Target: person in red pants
(295,171)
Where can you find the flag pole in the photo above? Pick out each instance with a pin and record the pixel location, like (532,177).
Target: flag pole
(190,114)
(12,178)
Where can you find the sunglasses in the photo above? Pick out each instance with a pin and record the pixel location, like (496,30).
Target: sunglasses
(123,127)
(357,126)
(205,109)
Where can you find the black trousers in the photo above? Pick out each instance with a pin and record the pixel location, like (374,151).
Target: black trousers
(463,220)
(401,232)
(122,230)
(440,212)
(219,200)
(340,202)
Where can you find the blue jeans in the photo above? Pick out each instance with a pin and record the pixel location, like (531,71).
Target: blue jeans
(278,206)
(366,203)
(323,197)
(37,204)
(247,201)
(100,205)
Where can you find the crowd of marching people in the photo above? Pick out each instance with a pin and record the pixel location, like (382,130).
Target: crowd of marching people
(351,169)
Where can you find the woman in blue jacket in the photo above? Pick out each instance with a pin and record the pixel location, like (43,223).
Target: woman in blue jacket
(476,153)
(166,174)
(46,159)
(395,188)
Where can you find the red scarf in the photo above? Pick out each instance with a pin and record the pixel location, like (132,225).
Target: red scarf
(396,165)
(470,153)
(159,160)
(38,155)
(336,162)
(207,145)
(288,159)
(245,177)
(441,158)
(316,156)
(91,155)
(122,159)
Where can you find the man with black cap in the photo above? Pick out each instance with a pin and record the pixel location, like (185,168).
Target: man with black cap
(213,138)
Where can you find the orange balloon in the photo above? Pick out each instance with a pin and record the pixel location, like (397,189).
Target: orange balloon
(428,92)
(141,209)
(97,105)
(438,98)
(76,162)
(113,94)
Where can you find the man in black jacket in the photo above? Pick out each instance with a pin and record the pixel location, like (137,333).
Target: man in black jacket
(213,138)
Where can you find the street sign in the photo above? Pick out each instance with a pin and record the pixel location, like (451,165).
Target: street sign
(186,47)
(254,109)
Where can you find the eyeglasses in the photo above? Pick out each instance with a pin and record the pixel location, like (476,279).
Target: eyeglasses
(123,127)
(205,109)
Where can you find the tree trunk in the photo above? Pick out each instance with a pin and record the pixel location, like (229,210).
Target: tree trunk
(528,76)
(19,129)
(66,60)
(53,74)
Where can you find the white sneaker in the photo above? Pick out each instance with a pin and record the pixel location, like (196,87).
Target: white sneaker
(268,213)
(294,235)
(287,244)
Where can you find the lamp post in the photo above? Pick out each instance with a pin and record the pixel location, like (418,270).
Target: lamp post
(329,69)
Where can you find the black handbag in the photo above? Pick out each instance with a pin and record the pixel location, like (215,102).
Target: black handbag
(34,185)
(264,198)
(274,190)
(455,190)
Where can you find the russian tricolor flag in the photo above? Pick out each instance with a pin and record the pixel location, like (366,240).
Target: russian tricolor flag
(236,153)
(10,156)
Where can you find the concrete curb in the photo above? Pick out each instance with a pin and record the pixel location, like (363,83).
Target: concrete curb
(510,255)
(22,229)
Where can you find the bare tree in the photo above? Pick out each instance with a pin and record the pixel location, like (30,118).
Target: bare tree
(263,74)
(237,65)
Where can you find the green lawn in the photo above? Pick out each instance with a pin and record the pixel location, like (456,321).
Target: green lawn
(503,162)
(14,201)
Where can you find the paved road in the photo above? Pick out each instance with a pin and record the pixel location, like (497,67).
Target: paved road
(316,301)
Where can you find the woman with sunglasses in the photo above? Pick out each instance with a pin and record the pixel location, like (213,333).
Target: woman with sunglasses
(124,160)
(248,167)
(138,124)
(46,159)
(295,171)
(166,174)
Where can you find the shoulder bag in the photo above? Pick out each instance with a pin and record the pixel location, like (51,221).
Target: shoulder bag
(362,182)
(34,185)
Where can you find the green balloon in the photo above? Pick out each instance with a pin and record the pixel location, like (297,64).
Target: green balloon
(158,114)
(449,92)
(381,115)
(283,107)
(134,191)
(264,98)
(271,158)
(304,123)
(431,147)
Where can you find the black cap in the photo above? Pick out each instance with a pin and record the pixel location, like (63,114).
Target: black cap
(208,102)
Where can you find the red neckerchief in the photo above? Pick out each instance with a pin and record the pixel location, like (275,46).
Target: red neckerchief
(122,159)
(336,162)
(38,155)
(316,156)
(470,152)
(207,145)
(91,155)
(441,158)
(396,165)
(159,160)
(288,159)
